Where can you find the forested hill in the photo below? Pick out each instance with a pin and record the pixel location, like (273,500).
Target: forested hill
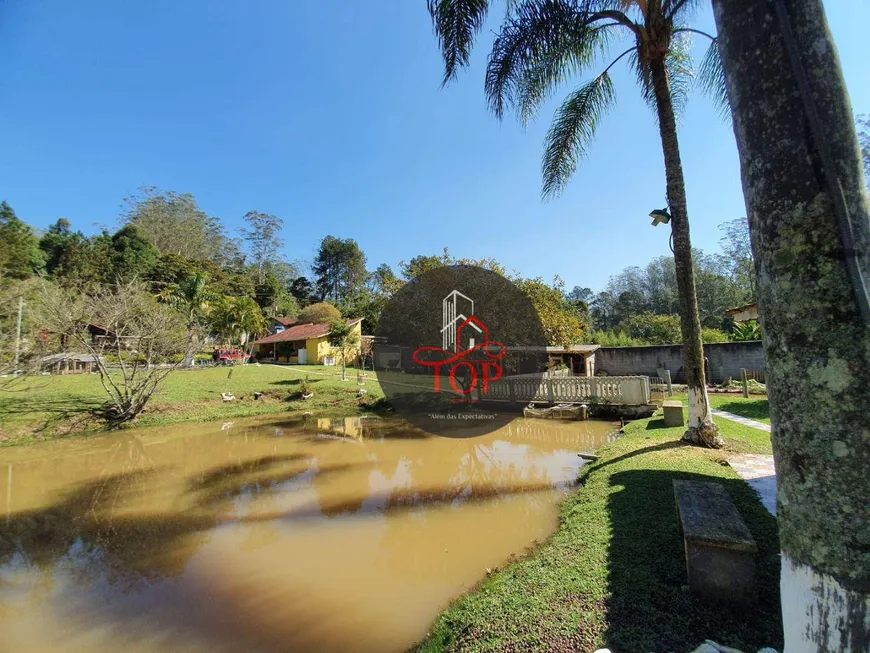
(165,240)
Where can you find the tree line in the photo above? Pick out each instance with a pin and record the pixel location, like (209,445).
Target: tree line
(640,305)
(230,286)
(221,286)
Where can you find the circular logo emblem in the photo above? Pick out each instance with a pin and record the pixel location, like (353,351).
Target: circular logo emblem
(459,351)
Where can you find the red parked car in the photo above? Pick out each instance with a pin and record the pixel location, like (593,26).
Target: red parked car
(229,356)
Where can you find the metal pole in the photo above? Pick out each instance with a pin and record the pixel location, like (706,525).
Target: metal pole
(18,332)
(8,491)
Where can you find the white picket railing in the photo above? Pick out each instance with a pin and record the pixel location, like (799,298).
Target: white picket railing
(625,390)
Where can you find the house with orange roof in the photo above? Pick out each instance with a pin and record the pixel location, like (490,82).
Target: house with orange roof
(300,344)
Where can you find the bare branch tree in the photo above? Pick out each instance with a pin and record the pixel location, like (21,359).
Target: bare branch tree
(138,340)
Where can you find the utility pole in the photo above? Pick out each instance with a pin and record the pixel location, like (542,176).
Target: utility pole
(18,332)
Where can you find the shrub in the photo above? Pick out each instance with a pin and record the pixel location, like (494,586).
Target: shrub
(319,313)
(749,330)
(614,339)
(654,329)
(713,335)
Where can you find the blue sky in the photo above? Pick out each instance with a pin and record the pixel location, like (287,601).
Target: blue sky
(330,114)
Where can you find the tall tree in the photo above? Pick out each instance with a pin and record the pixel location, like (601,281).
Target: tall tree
(423,263)
(72,259)
(263,235)
(542,43)
(176,225)
(302,289)
(193,298)
(809,218)
(580,294)
(737,248)
(383,280)
(340,268)
(863,124)
(20,256)
(132,254)
(560,321)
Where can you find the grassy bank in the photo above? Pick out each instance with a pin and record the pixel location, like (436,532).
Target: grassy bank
(614,574)
(46,407)
(756,407)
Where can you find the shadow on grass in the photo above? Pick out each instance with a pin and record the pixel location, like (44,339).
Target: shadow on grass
(657,424)
(57,415)
(293,383)
(752,408)
(650,608)
(670,444)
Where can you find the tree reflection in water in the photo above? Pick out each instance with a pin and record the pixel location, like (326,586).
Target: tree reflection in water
(99,519)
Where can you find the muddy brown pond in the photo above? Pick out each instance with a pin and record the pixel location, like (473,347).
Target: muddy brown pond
(335,534)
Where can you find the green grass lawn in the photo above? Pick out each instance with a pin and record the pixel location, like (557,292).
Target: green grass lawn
(756,407)
(43,407)
(614,573)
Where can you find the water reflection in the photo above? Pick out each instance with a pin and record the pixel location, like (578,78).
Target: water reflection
(308,535)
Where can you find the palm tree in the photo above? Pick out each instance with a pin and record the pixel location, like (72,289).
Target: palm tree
(236,318)
(193,297)
(542,43)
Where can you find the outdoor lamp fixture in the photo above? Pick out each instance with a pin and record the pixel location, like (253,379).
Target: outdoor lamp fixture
(660,216)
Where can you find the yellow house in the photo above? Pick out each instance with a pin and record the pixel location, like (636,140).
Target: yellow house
(305,344)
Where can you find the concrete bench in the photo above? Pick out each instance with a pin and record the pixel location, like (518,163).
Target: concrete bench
(720,550)
(673,412)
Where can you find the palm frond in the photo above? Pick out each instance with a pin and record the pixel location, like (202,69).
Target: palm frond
(573,128)
(711,79)
(626,5)
(456,23)
(679,11)
(540,44)
(644,78)
(681,70)
(681,73)
(540,80)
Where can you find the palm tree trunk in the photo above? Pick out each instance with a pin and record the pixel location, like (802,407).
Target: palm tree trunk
(701,430)
(805,193)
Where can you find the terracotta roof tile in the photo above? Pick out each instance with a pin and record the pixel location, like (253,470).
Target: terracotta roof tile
(301,332)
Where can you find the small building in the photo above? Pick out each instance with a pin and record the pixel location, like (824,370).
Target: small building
(301,343)
(67,363)
(572,360)
(103,337)
(278,323)
(744,313)
(579,360)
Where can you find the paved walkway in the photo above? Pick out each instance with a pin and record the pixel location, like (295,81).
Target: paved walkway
(741,420)
(755,469)
(759,472)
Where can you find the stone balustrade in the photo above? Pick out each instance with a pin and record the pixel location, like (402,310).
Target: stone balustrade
(623,390)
